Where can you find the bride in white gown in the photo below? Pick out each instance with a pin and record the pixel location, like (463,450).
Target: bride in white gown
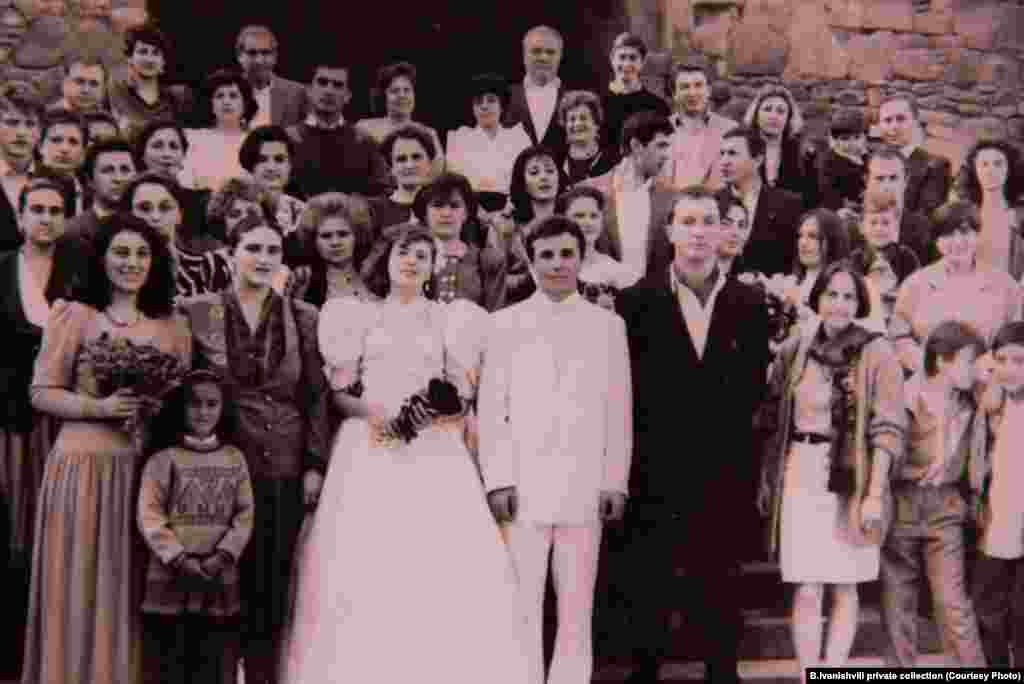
(405,576)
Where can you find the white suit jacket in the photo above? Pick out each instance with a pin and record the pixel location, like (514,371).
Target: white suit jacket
(555,408)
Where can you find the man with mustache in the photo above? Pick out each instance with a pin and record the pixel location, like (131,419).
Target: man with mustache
(698,130)
(698,343)
(19,134)
(331,155)
(534,102)
(282,102)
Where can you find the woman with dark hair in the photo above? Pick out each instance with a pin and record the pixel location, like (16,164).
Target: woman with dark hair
(227,107)
(821,239)
(484,153)
(404,371)
(601,277)
(837,419)
(956,287)
(335,232)
(775,114)
(200,262)
(139,96)
(409,152)
(992,178)
(536,183)
(84,620)
(267,154)
(396,89)
(264,346)
(463,269)
(581,115)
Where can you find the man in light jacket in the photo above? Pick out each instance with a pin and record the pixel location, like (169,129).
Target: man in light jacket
(556,441)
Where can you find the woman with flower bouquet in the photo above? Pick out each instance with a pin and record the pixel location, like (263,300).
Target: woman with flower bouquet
(404,575)
(836,418)
(103,360)
(264,346)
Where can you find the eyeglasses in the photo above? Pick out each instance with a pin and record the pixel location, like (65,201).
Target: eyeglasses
(324,82)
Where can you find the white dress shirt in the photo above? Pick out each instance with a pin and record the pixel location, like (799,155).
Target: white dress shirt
(696,315)
(487,162)
(262,117)
(555,408)
(634,216)
(542,101)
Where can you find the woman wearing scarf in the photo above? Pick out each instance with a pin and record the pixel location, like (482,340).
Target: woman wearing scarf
(837,421)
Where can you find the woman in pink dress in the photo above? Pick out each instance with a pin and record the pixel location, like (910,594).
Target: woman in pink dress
(84,620)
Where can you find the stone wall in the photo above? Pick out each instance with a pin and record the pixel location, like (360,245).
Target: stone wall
(37,35)
(963,59)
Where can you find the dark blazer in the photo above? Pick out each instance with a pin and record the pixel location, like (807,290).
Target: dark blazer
(519,112)
(287,102)
(928,181)
(10,233)
(772,245)
(693,416)
(794,172)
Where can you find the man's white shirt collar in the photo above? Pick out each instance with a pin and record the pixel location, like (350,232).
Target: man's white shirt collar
(313,122)
(553,84)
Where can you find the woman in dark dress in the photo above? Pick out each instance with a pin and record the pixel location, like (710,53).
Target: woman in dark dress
(265,346)
(775,114)
(409,151)
(581,115)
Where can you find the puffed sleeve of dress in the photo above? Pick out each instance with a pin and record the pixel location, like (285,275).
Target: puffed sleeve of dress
(65,330)
(341,333)
(465,331)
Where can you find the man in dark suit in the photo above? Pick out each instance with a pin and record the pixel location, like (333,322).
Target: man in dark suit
(282,102)
(885,171)
(534,102)
(928,176)
(20,116)
(698,345)
(773,212)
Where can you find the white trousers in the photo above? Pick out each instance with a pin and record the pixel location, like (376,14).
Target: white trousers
(574,552)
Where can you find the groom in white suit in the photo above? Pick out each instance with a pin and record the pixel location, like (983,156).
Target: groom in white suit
(555,411)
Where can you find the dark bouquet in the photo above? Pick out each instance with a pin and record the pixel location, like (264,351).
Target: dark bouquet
(602,294)
(439,400)
(149,373)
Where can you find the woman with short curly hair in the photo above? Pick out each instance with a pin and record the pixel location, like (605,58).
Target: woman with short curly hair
(227,106)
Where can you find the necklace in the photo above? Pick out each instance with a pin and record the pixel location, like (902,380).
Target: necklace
(123,324)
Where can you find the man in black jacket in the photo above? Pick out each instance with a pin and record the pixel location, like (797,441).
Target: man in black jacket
(698,345)
(773,212)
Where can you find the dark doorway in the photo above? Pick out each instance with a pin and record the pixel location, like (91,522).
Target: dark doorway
(448,41)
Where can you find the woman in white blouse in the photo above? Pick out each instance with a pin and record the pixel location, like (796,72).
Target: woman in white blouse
(486,152)
(992,178)
(956,287)
(212,155)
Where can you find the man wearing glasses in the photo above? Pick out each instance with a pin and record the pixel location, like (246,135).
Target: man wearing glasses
(282,102)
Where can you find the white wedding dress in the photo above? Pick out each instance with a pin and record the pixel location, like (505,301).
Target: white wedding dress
(404,575)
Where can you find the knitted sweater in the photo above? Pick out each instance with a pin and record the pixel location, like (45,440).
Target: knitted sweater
(197,503)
